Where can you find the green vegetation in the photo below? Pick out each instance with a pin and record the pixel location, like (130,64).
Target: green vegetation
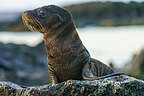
(108,13)
(139,76)
(98,14)
(16,26)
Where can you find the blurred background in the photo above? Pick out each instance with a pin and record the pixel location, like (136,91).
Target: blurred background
(111,30)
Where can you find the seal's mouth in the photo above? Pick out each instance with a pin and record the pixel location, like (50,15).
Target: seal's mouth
(31,21)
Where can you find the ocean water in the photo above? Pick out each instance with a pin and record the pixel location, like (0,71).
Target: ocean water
(107,44)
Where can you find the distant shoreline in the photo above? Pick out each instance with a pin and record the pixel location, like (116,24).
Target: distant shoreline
(96,14)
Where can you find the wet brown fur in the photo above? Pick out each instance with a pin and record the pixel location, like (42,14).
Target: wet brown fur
(67,56)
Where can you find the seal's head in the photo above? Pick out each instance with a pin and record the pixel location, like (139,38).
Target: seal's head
(46,19)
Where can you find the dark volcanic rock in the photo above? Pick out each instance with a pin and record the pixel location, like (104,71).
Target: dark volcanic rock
(113,86)
(23,65)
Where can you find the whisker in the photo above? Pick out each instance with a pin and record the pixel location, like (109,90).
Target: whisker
(37,22)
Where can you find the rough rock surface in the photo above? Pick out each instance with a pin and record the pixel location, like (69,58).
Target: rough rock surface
(113,86)
(23,65)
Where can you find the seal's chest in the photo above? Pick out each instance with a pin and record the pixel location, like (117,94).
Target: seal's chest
(68,72)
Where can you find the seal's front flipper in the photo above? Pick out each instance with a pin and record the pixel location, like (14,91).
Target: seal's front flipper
(52,75)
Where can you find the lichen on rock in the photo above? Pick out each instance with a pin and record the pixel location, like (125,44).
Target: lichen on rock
(113,86)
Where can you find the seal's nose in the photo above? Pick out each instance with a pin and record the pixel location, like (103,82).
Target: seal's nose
(27,14)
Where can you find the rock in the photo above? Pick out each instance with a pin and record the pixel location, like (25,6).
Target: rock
(23,65)
(113,86)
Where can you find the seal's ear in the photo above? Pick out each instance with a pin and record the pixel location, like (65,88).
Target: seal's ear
(59,18)
(55,20)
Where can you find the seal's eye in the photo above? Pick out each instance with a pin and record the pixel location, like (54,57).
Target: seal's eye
(42,13)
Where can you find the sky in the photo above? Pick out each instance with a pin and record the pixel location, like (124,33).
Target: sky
(21,5)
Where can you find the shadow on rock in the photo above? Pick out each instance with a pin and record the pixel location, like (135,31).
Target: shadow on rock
(23,65)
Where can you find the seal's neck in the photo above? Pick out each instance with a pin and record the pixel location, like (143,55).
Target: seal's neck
(61,40)
(62,31)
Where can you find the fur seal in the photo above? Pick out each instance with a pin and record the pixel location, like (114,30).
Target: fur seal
(67,56)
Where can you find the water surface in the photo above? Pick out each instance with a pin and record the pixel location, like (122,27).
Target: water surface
(107,44)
